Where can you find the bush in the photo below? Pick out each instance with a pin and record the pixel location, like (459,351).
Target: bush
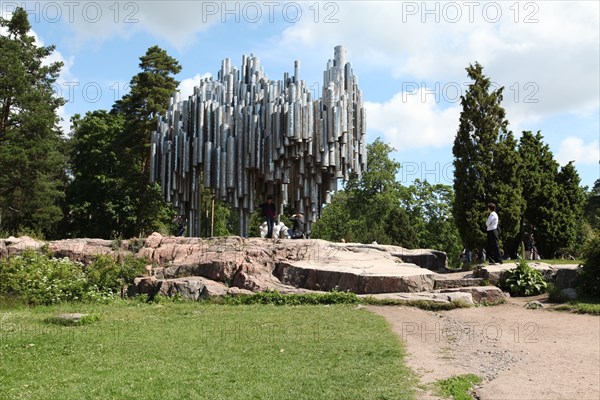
(524,281)
(108,275)
(39,279)
(590,273)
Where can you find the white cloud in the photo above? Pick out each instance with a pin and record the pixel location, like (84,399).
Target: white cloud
(573,148)
(177,22)
(186,86)
(548,67)
(412,120)
(63,82)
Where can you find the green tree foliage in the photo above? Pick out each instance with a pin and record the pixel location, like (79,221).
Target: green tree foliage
(32,157)
(486,165)
(430,210)
(506,191)
(369,208)
(95,203)
(554,200)
(592,206)
(149,96)
(334,223)
(589,280)
(539,190)
(571,200)
(110,195)
(225,221)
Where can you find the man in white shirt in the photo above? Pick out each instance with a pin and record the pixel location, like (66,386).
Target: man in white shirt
(493,248)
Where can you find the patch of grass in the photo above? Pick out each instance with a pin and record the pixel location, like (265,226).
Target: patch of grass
(486,303)
(555,294)
(173,350)
(276,298)
(458,387)
(582,306)
(557,261)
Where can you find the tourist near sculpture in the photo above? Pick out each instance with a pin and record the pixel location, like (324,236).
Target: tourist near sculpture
(245,136)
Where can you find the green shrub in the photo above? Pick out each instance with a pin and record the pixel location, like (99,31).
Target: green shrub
(108,275)
(590,273)
(136,244)
(40,279)
(524,281)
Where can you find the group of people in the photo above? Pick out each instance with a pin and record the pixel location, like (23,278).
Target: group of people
(492,251)
(270,213)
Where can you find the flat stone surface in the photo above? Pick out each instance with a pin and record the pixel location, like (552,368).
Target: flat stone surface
(456,280)
(488,294)
(73,317)
(424,296)
(360,269)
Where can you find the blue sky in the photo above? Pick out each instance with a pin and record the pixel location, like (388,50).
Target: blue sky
(410,59)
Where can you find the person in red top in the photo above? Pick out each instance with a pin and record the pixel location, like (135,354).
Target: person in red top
(269,212)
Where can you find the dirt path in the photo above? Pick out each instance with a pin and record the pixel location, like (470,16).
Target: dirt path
(520,353)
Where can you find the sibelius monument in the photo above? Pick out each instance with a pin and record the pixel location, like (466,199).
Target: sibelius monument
(244,135)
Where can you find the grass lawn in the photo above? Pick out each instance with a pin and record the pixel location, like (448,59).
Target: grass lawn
(458,387)
(558,261)
(200,351)
(582,306)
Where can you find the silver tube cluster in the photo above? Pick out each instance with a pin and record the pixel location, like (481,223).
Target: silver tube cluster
(245,137)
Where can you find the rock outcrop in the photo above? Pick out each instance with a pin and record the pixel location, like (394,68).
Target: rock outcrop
(195,268)
(562,276)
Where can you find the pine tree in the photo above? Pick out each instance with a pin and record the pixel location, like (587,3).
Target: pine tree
(32,157)
(485,160)
(554,199)
(571,202)
(507,192)
(540,191)
(149,97)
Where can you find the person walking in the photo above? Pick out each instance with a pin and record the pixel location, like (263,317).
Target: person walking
(269,212)
(493,247)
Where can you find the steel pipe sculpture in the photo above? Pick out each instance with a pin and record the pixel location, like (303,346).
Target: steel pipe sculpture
(245,137)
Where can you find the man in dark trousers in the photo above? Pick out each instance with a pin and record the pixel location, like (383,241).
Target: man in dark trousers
(269,212)
(297,231)
(493,248)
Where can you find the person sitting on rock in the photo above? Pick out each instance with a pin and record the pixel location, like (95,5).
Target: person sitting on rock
(297,231)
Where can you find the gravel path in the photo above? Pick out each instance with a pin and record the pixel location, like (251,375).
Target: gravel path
(520,353)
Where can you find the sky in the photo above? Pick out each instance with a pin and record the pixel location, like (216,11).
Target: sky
(409,57)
